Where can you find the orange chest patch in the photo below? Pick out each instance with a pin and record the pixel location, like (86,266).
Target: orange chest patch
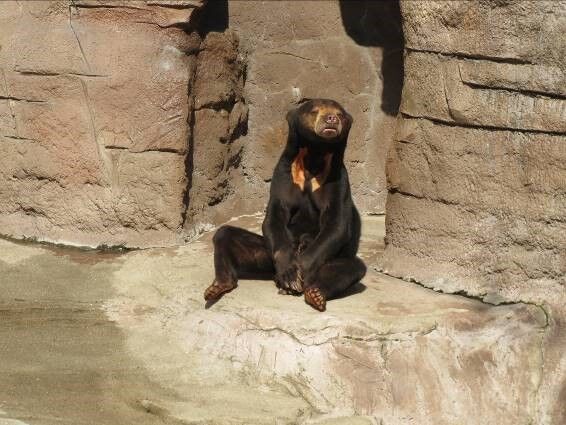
(301,175)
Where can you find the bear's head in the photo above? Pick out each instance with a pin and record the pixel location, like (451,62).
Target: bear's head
(320,121)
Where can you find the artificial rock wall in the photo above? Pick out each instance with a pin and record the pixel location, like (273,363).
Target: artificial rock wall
(477,174)
(93,120)
(140,123)
(350,51)
(477,178)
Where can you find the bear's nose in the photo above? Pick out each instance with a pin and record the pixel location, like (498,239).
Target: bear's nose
(331,119)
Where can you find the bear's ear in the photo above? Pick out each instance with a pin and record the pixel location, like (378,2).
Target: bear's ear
(348,122)
(292,117)
(304,100)
(292,138)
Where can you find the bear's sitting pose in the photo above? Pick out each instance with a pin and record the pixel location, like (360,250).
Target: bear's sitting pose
(311,228)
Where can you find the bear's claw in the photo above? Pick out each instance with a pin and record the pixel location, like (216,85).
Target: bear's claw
(282,291)
(291,281)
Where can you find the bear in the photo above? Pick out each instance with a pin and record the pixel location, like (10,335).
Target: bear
(311,230)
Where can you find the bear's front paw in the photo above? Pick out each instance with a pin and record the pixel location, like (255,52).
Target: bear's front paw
(288,275)
(315,298)
(290,280)
(282,291)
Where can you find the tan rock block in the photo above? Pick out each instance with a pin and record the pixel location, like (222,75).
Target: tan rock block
(167,13)
(7,122)
(64,124)
(211,133)
(434,89)
(113,80)
(40,27)
(546,80)
(218,77)
(148,193)
(510,30)
(484,209)
(515,172)
(145,112)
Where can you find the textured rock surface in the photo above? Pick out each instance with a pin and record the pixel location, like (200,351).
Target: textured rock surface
(256,62)
(129,338)
(93,115)
(349,51)
(219,118)
(477,200)
(488,206)
(93,90)
(481,140)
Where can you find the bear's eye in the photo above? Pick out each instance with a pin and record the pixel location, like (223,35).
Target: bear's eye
(314,112)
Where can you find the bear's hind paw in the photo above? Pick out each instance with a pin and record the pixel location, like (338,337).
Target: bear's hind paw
(217,289)
(315,299)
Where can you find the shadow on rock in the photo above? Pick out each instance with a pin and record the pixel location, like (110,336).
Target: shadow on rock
(379,24)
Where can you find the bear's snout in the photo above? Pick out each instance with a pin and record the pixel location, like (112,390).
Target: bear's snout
(331,119)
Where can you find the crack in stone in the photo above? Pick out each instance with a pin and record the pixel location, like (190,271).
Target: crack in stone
(302,389)
(21,138)
(90,111)
(529,93)
(461,55)
(121,148)
(189,155)
(176,24)
(99,147)
(223,105)
(46,179)
(257,327)
(279,52)
(75,34)
(375,336)
(10,103)
(439,200)
(173,6)
(106,6)
(18,99)
(41,73)
(356,361)
(446,123)
(124,148)
(29,210)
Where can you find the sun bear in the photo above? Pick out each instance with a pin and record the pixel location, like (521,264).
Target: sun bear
(311,230)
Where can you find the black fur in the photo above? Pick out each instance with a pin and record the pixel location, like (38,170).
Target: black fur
(311,237)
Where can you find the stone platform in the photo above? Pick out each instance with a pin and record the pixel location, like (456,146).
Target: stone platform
(90,337)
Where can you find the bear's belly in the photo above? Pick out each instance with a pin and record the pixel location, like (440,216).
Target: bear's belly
(304,221)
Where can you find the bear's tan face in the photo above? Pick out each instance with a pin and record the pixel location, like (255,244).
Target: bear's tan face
(327,119)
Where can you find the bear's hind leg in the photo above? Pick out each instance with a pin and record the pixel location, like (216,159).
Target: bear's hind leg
(332,279)
(238,253)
